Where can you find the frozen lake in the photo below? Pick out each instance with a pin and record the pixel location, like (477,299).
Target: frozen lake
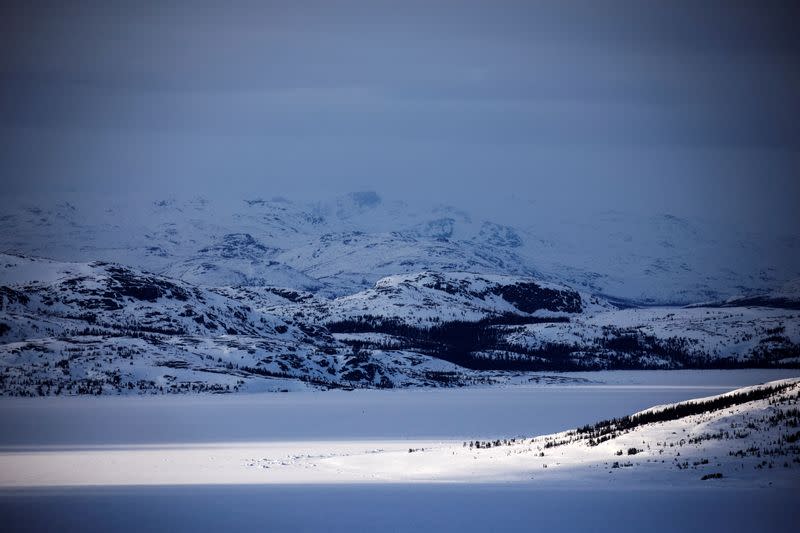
(138,443)
(352,415)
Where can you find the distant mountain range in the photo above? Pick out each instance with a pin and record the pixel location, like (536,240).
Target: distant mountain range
(347,244)
(185,297)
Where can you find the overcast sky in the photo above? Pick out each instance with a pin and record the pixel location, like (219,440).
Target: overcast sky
(682,107)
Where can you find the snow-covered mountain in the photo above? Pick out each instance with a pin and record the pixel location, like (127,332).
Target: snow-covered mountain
(425,299)
(507,323)
(786,296)
(339,247)
(361,292)
(106,328)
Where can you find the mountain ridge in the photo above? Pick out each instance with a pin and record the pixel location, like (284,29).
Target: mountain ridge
(104,328)
(341,246)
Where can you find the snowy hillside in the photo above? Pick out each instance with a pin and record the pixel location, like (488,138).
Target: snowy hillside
(519,324)
(786,296)
(428,298)
(746,435)
(668,336)
(80,328)
(103,328)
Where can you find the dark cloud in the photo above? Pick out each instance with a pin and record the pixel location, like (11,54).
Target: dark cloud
(636,104)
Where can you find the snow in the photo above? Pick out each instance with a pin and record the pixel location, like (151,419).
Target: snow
(41,325)
(53,439)
(72,328)
(423,298)
(730,332)
(168,463)
(21,271)
(663,446)
(345,245)
(538,407)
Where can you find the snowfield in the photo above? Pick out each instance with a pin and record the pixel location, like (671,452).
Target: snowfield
(346,461)
(754,437)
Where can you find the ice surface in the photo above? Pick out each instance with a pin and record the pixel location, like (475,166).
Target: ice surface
(481,412)
(179,463)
